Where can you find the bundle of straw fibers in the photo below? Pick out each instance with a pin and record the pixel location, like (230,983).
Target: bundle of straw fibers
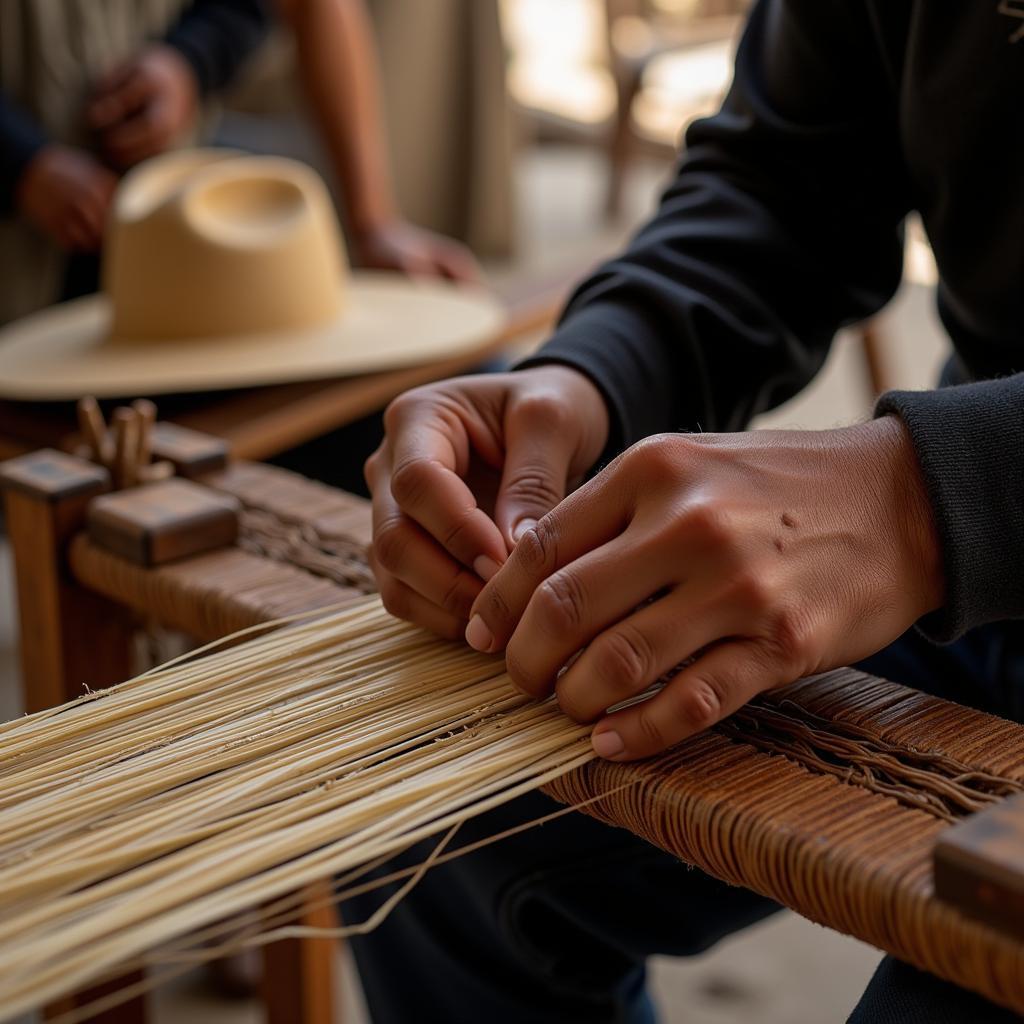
(135,817)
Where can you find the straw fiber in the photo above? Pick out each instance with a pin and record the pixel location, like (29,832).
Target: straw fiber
(826,795)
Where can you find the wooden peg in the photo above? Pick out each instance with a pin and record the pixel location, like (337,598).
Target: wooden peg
(145,410)
(126,447)
(94,430)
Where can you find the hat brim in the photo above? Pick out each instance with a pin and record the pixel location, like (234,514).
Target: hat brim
(64,352)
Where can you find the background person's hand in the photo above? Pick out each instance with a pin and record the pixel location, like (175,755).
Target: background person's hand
(144,106)
(66,193)
(399,245)
(769,556)
(465,467)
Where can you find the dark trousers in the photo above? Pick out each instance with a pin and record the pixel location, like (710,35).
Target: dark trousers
(555,924)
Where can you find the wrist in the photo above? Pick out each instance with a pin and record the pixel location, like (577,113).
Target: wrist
(369,223)
(584,397)
(35,163)
(910,512)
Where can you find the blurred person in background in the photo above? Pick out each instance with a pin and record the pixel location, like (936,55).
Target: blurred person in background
(90,88)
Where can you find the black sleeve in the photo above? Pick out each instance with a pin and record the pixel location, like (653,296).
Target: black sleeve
(783,223)
(970,443)
(217,36)
(20,139)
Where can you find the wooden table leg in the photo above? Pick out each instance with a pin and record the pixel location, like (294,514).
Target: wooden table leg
(69,637)
(298,974)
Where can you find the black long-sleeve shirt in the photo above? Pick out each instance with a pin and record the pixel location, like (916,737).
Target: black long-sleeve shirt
(784,223)
(214,36)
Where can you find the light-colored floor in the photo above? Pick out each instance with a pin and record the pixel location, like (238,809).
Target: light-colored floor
(785,971)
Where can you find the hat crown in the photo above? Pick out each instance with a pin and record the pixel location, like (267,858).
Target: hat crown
(208,243)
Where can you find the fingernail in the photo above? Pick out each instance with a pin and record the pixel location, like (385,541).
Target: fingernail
(485,567)
(478,636)
(606,744)
(521,527)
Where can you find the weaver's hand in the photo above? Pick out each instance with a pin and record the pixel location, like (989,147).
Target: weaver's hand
(144,106)
(66,193)
(401,246)
(768,556)
(466,466)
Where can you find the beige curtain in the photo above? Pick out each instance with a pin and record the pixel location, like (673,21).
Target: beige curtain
(449,119)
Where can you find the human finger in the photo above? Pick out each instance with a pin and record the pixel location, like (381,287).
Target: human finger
(717,684)
(403,550)
(575,604)
(428,448)
(635,652)
(538,451)
(587,519)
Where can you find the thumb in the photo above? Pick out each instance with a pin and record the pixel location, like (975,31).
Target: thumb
(534,477)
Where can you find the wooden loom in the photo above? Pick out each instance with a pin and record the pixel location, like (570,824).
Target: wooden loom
(834,796)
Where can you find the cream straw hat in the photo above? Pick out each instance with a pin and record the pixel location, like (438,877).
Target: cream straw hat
(223,270)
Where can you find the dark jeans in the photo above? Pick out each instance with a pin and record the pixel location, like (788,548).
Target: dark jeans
(555,924)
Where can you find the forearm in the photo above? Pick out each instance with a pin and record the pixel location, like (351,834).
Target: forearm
(970,443)
(21,138)
(337,62)
(216,37)
(782,225)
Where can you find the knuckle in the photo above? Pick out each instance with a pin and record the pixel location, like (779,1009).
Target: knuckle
(535,488)
(561,602)
(625,660)
(390,544)
(538,547)
(711,525)
(541,409)
(520,673)
(701,704)
(370,469)
(455,535)
(656,458)
(754,591)
(457,600)
(650,729)
(398,408)
(395,599)
(410,483)
(494,608)
(791,637)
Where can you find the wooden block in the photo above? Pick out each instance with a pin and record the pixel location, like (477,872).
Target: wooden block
(191,452)
(161,522)
(979,866)
(51,476)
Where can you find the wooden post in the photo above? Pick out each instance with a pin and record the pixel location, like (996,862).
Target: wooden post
(69,637)
(297,983)
(979,866)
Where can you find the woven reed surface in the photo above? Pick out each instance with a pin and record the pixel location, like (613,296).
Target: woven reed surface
(302,547)
(826,796)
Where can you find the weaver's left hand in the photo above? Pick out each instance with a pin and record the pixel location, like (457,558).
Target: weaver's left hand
(766,556)
(399,245)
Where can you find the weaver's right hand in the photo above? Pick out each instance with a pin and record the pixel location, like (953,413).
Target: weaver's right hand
(466,466)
